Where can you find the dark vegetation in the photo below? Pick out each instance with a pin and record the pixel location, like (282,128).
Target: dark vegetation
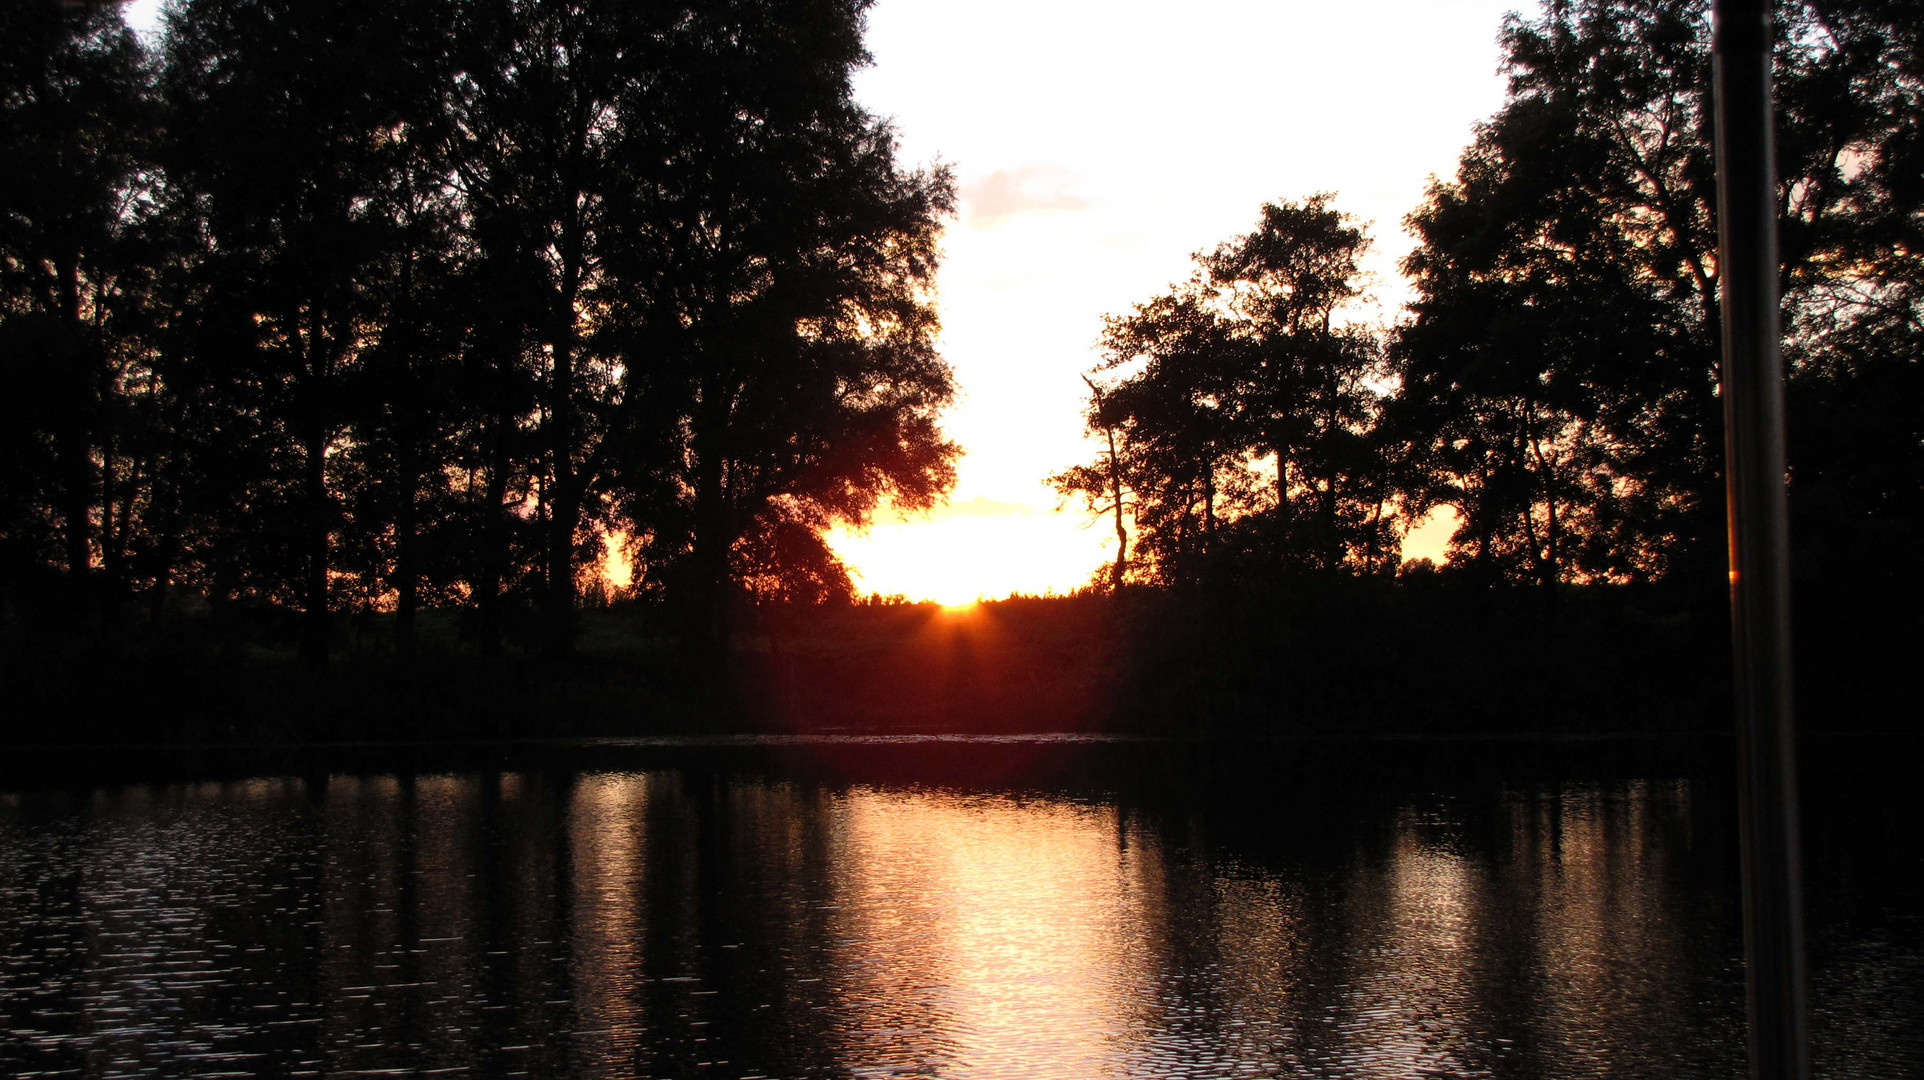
(1553,391)
(341,340)
(1307,658)
(417,304)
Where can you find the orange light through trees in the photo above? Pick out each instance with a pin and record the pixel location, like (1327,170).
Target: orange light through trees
(974,550)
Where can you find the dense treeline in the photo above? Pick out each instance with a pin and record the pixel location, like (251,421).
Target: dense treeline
(407,310)
(1554,384)
(391,305)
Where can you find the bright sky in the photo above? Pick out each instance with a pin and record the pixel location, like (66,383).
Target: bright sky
(1097,147)
(1095,154)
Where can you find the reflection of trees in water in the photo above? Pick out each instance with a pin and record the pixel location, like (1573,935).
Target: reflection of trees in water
(1561,934)
(1618,942)
(693,922)
(432,887)
(1405,1002)
(733,900)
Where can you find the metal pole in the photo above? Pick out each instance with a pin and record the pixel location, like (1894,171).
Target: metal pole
(1753,394)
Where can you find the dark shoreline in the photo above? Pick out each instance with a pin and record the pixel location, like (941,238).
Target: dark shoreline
(1016,761)
(1342,660)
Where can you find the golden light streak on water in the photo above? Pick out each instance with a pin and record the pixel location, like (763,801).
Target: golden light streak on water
(701,922)
(607,813)
(1012,925)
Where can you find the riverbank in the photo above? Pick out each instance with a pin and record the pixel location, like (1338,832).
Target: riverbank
(1312,659)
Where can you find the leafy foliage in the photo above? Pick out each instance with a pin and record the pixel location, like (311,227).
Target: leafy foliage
(436,294)
(1555,384)
(75,129)
(1561,364)
(1239,371)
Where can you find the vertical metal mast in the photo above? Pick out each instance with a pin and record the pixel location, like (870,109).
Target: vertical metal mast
(1753,395)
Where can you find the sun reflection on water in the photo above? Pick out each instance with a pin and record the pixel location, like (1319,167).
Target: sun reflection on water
(1009,922)
(700,923)
(606,816)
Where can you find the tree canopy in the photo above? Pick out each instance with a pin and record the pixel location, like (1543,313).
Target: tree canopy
(1554,383)
(343,305)
(427,301)
(1243,370)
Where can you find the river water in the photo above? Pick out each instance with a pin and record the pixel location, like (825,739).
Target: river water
(936,908)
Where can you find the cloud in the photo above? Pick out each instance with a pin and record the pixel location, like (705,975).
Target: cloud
(1005,193)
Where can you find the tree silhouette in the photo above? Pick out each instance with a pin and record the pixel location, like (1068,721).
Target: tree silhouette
(730,268)
(285,120)
(75,125)
(1307,391)
(415,304)
(401,493)
(774,274)
(547,134)
(1246,362)
(1851,91)
(1103,487)
(1561,366)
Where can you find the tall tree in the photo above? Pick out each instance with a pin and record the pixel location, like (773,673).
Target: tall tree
(545,150)
(1245,369)
(1181,450)
(284,115)
(729,333)
(75,123)
(1851,86)
(1105,486)
(778,278)
(1307,389)
(1561,365)
(421,318)
(808,379)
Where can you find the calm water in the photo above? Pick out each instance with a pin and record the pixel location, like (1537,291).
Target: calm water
(935,909)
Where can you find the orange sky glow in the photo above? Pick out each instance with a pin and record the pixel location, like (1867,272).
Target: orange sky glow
(1093,157)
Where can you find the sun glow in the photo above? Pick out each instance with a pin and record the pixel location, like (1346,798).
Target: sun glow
(1062,219)
(973,550)
(982,549)
(1008,928)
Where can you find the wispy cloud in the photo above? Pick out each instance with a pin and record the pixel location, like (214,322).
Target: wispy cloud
(1005,193)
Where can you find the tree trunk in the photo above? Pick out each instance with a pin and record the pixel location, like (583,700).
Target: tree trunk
(1209,509)
(315,370)
(76,503)
(166,546)
(708,613)
(314,602)
(1121,564)
(562,494)
(1282,485)
(1115,493)
(407,573)
(1373,546)
(558,594)
(408,421)
(1332,536)
(494,547)
(73,443)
